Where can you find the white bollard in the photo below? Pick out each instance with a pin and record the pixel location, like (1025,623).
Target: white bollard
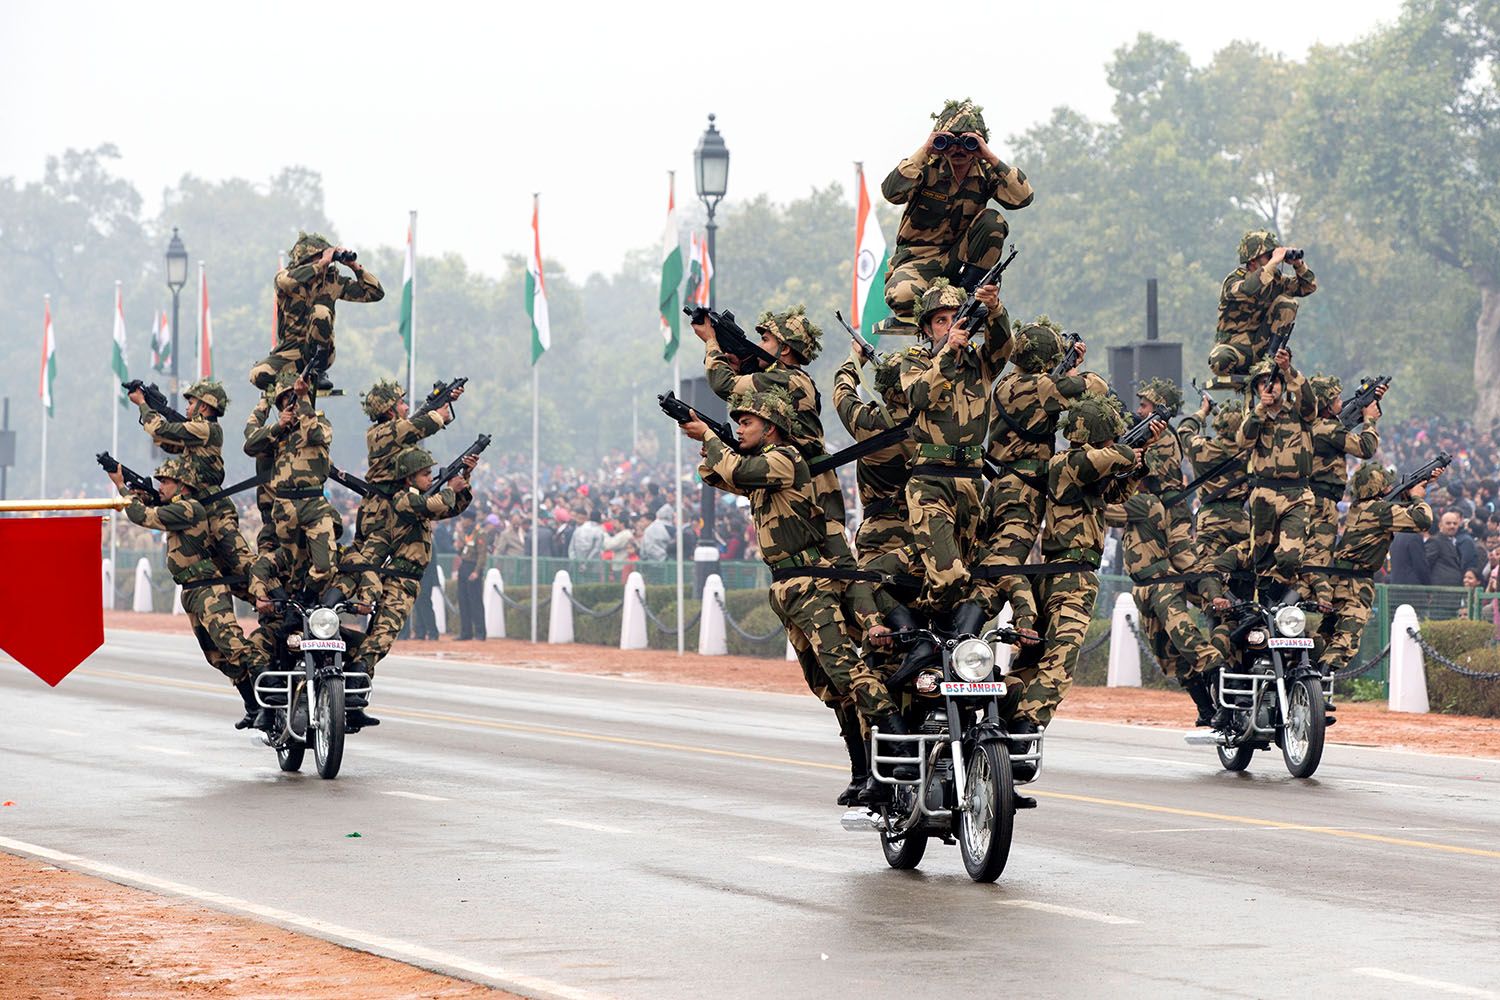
(1408,682)
(440,603)
(1124,652)
(107,584)
(633,615)
(791,654)
(177,600)
(712,640)
(1003,652)
(494,605)
(560,624)
(142,599)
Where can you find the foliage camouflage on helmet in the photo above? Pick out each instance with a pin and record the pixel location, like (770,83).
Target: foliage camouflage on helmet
(1227,419)
(410,461)
(381,398)
(1256,242)
(941,294)
(1037,345)
(793,329)
(1092,419)
(179,469)
(959,117)
(1326,388)
(308,246)
(286,381)
(1370,481)
(1162,392)
(210,391)
(773,406)
(1262,368)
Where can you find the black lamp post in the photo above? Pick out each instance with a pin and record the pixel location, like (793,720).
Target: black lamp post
(177,269)
(711,178)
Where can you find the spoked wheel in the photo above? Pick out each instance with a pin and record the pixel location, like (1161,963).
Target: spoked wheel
(988,817)
(328,734)
(1236,758)
(1302,736)
(904,853)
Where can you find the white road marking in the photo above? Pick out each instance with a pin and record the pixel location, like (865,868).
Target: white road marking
(807,866)
(1067,911)
(579,824)
(417,795)
(404,951)
(166,750)
(1457,989)
(1178,829)
(1197,765)
(65,732)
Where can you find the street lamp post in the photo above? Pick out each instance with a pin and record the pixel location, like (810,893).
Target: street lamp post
(711,178)
(177,268)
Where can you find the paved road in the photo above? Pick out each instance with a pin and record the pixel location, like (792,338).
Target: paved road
(588,836)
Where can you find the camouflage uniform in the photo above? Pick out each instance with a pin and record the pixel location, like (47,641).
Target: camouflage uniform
(1080,483)
(1222,522)
(946,226)
(789,529)
(1368,528)
(306,296)
(300,512)
(1279,447)
(1255,306)
(881,475)
(1163,473)
(949,398)
(386,438)
(260,444)
(1331,443)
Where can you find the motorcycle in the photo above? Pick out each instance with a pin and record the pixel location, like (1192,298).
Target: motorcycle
(307,687)
(1276,691)
(965,767)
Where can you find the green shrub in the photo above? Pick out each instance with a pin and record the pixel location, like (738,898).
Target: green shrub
(1456,694)
(1456,635)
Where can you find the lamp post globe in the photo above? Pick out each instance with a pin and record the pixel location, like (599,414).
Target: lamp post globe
(711,179)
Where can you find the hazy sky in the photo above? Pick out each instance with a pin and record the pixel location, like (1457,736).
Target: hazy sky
(463,110)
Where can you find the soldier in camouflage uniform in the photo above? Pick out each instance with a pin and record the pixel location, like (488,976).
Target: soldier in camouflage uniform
(1163,467)
(200,440)
(300,514)
(1275,435)
(205,597)
(392,429)
(881,475)
(1331,444)
(260,444)
(308,290)
(1256,302)
(1222,522)
(946,229)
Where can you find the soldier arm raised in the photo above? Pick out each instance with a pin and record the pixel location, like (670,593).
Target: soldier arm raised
(770,470)
(1302,395)
(1105,462)
(903,182)
(997,344)
(1413,516)
(191,433)
(258,437)
(722,378)
(862,420)
(364,288)
(1363,443)
(1008,185)
(1302,282)
(1057,394)
(290,279)
(175,516)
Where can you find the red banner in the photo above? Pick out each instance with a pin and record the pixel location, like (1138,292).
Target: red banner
(51,607)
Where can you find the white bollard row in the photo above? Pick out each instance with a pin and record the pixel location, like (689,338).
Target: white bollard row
(177,600)
(1408,677)
(633,633)
(1124,652)
(494,605)
(107,584)
(142,600)
(560,624)
(439,604)
(712,639)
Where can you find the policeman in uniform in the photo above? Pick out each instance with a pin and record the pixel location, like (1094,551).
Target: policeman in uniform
(471,543)
(1256,302)
(1331,446)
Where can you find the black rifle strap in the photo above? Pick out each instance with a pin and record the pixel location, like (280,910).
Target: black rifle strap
(1229,488)
(1035,437)
(1217,468)
(858,450)
(244,484)
(1034,569)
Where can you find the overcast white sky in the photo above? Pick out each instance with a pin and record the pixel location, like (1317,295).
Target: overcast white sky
(463,110)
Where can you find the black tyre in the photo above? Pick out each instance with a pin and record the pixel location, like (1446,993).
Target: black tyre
(328,734)
(906,853)
(1304,723)
(1236,758)
(987,819)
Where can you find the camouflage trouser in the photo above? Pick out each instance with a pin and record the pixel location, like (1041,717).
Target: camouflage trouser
(817,679)
(231,553)
(1012,519)
(292,351)
(1234,353)
(881,534)
(265,538)
(374,516)
(1221,527)
(1322,533)
(210,611)
(307,522)
(1045,672)
(812,611)
(1167,623)
(944,518)
(397,595)
(1340,631)
(913,268)
(1278,531)
(831,498)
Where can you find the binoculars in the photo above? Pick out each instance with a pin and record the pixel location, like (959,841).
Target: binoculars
(944,141)
(345,257)
(1293,254)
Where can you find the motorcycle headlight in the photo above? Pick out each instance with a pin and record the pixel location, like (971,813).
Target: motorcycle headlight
(1255,637)
(1290,621)
(323,623)
(973,659)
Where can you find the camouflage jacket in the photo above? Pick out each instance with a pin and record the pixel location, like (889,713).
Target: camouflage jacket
(1080,483)
(1024,408)
(280,567)
(260,444)
(1245,299)
(1203,453)
(1164,464)
(1331,444)
(1369,527)
(302,449)
(949,392)
(199,440)
(306,296)
(185,523)
(410,548)
(386,439)
(938,208)
(881,475)
(1279,445)
(1147,546)
(807,405)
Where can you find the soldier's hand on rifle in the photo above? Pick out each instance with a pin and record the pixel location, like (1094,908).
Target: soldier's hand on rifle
(1028,636)
(704,330)
(118,478)
(469,462)
(1372,412)
(287,418)
(695,429)
(958,337)
(990,296)
(300,386)
(1268,394)
(1158,428)
(1221,604)
(264,606)
(1284,360)
(1380,392)
(458,391)
(137,396)
(1083,352)
(1203,408)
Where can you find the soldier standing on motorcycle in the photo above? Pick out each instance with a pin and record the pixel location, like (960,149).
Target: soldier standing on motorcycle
(1331,444)
(300,513)
(1221,523)
(260,444)
(1276,435)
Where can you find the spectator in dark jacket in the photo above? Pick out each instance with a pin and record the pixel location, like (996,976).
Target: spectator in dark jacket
(1444,558)
(1409,560)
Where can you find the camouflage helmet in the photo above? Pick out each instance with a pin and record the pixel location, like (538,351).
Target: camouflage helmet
(773,406)
(1092,419)
(179,469)
(308,246)
(286,381)
(210,391)
(1370,481)
(410,461)
(381,398)
(1161,391)
(959,117)
(1227,419)
(1256,242)
(1262,368)
(1036,346)
(793,329)
(1326,389)
(941,294)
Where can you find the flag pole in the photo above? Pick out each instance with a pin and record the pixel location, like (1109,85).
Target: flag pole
(47,308)
(677,481)
(535,481)
(114,449)
(275,309)
(411,356)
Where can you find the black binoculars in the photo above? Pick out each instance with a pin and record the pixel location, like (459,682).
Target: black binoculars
(944,140)
(345,256)
(1293,254)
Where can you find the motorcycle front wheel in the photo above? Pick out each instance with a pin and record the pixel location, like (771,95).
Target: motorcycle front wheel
(328,734)
(1302,734)
(989,811)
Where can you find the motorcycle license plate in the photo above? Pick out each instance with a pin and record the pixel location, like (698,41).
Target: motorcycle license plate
(961,688)
(323,645)
(1305,642)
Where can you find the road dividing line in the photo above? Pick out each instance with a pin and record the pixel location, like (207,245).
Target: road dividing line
(807,866)
(1457,989)
(418,796)
(1067,911)
(402,951)
(579,824)
(166,750)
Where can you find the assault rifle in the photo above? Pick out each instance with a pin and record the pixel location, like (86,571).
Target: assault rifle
(867,353)
(1212,406)
(973,313)
(864,347)
(1422,475)
(134,481)
(1140,432)
(731,338)
(1353,410)
(1069,358)
(349,481)
(441,396)
(1279,340)
(154,399)
(683,414)
(456,467)
(314,365)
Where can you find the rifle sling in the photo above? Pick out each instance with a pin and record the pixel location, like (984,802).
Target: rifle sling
(260,479)
(860,449)
(1217,468)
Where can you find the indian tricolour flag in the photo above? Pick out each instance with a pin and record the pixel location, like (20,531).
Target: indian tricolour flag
(408,284)
(868,305)
(700,273)
(205,326)
(536,288)
(161,342)
(671,277)
(117,356)
(49,357)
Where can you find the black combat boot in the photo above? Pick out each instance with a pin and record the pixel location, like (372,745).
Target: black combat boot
(1197,689)
(920,654)
(1023,770)
(355,718)
(969,618)
(332,597)
(896,726)
(1223,716)
(322,383)
(859,757)
(246,688)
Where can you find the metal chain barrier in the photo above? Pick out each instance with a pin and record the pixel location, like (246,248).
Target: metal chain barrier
(663,627)
(1145,647)
(1090,647)
(591,612)
(748,636)
(1349,673)
(509,603)
(1462,671)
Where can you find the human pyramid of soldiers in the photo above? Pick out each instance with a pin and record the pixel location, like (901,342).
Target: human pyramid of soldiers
(298,556)
(945,415)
